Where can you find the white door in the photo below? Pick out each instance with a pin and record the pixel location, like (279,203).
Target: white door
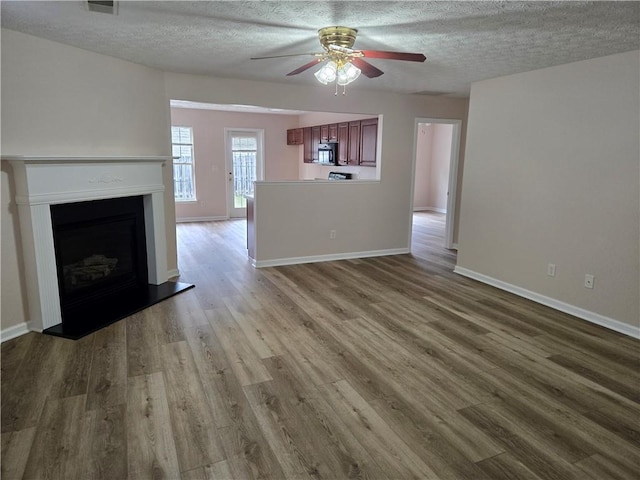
(244,166)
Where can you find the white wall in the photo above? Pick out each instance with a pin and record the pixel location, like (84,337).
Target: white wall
(552,176)
(60,100)
(368,217)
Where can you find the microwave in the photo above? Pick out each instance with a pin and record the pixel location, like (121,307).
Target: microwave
(328,153)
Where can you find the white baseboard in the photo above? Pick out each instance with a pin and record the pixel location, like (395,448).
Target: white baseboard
(587,315)
(328,258)
(430,209)
(13,332)
(200,219)
(173,273)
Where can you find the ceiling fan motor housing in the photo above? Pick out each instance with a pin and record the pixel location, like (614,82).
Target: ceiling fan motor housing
(341,36)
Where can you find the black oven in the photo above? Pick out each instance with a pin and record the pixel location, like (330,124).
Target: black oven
(328,153)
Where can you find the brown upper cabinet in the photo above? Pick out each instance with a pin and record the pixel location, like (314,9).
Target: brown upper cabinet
(343,143)
(306,141)
(333,132)
(357,141)
(295,136)
(324,133)
(368,142)
(315,141)
(329,133)
(353,148)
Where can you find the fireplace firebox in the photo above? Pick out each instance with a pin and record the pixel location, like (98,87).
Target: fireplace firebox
(101,257)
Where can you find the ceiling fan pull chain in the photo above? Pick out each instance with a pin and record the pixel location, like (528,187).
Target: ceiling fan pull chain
(344,89)
(336,94)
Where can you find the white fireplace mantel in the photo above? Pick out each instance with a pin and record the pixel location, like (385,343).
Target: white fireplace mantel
(44,181)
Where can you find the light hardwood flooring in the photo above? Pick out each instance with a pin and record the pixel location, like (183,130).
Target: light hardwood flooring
(388,367)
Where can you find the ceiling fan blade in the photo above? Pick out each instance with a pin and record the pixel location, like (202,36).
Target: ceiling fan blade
(282,56)
(408,57)
(367,69)
(304,67)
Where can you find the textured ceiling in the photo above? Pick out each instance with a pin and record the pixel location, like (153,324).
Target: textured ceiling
(464,41)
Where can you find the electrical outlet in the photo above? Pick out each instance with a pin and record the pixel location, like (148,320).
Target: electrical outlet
(588,281)
(332,234)
(551,270)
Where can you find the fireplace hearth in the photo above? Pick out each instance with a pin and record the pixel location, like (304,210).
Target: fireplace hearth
(93,239)
(101,262)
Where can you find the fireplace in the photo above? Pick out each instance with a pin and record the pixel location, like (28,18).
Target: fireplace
(101,256)
(93,239)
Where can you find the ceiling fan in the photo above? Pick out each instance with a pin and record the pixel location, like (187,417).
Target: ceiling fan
(344,64)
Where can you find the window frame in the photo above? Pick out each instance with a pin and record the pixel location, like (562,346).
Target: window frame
(192,163)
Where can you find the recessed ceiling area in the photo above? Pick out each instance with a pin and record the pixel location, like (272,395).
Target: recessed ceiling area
(464,42)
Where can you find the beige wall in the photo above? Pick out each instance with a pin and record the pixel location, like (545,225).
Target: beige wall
(60,100)
(281,160)
(369,217)
(552,176)
(424,141)
(433,160)
(440,163)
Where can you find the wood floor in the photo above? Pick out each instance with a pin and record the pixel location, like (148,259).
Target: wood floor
(388,367)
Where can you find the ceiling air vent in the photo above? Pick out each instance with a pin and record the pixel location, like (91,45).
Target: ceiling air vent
(103,7)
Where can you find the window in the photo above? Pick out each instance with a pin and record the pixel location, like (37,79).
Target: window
(184,186)
(244,151)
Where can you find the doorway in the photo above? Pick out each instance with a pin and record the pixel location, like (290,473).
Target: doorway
(435,170)
(245,165)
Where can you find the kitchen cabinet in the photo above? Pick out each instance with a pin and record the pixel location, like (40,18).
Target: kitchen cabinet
(329,133)
(333,132)
(353,147)
(306,141)
(368,142)
(357,141)
(295,136)
(315,141)
(343,142)
(324,133)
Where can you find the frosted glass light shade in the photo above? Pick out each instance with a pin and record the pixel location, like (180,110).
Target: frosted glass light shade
(327,73)
(347,74)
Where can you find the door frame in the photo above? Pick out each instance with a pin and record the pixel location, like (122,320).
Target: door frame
(232,212)
(453,176)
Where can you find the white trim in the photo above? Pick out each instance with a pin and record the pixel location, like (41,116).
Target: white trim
(14,332)
(200,219)
(454,246)
(43,181)
(173,273)
(324,181)
(328,258)
(86,195)
(430,209)
(233,212)
(587,315)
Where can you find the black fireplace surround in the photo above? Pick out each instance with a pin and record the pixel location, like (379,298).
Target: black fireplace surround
(101,262)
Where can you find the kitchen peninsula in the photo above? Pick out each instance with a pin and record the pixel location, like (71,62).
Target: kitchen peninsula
(274,204)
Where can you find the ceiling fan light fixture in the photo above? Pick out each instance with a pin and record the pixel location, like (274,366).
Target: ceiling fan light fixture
(327,73)
(347,73)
